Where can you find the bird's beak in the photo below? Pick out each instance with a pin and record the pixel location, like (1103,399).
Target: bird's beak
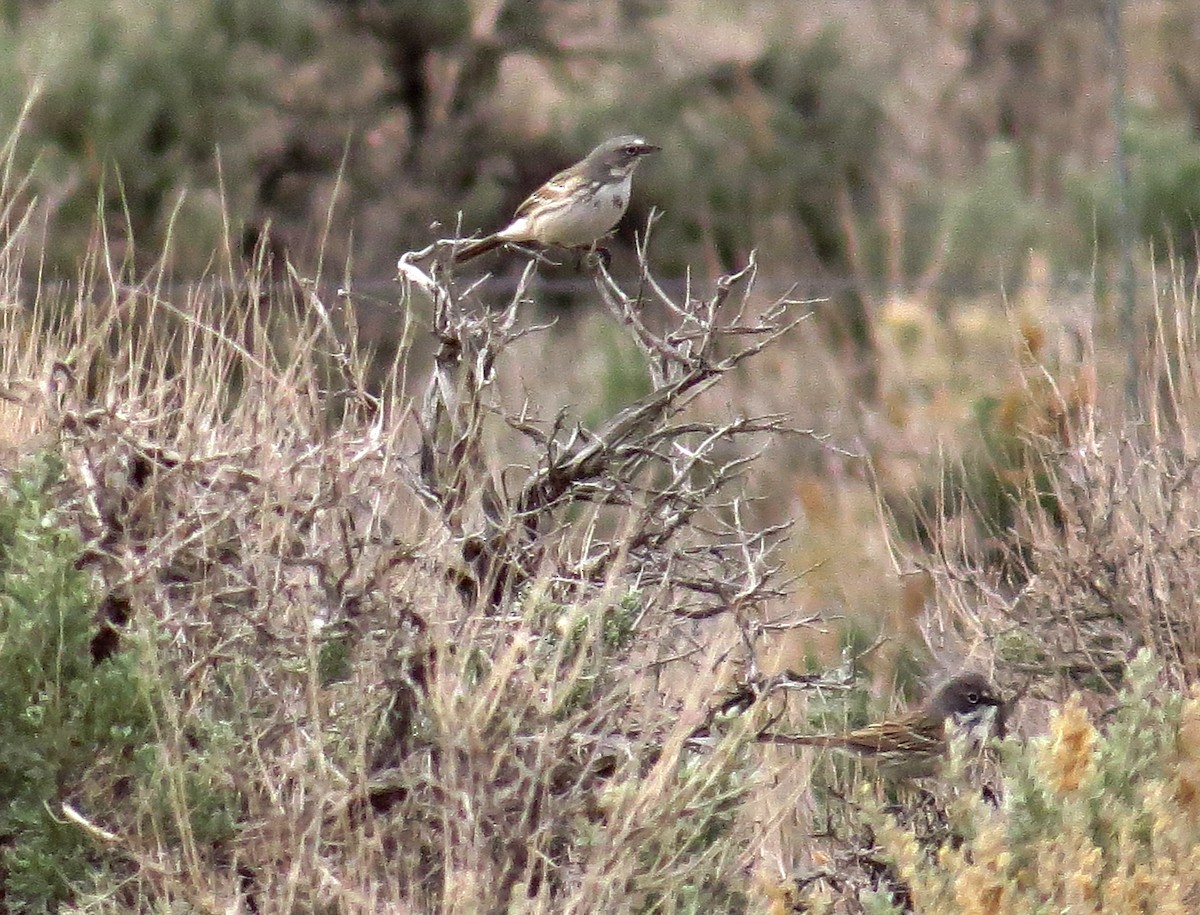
(644,149)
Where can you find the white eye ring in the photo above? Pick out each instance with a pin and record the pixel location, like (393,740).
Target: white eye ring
(973,698)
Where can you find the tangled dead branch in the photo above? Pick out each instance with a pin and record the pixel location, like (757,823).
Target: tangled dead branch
(246,502)
(656,483)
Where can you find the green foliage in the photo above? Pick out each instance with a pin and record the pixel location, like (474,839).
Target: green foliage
(678,855)
(623,379)
(600,634)
(134,100)
(990,222)
(60,716)
(194,799)
(1003,476)
(335,654)
(1164,160)
(877,902)
(908,671)
(828,123)
(619,625)
(990,478)
(1007,475)
(1165,170)
(751,147)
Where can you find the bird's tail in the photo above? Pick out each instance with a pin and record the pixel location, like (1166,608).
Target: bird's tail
(804,740)
(476,248)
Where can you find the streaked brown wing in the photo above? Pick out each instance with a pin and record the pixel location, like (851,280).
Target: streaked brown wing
(893,737)
(554,189)
(904,736)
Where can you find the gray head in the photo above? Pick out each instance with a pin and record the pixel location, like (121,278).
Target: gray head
(970,699)
(621,154)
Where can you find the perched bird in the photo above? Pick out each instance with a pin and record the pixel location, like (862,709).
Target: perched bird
(575,207)
(914,745)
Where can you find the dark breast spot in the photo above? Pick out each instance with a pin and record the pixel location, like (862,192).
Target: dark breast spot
(618,202)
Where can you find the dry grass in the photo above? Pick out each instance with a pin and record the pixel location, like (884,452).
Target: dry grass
(429,640)
(401,651)
(1097,558)
(1091,564)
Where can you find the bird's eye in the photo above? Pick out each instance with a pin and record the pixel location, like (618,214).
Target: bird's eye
(973,698)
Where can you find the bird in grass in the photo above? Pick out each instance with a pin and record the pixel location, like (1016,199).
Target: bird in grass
(915,744)
(577,206)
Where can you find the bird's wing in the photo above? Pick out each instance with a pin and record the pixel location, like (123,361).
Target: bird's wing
(894,736)
(884,737)
(561,183)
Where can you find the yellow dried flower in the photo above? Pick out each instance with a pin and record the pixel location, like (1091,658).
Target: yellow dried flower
(1081,884)
(780,895)
(903,846)
(1069,756)
(1189,726)
(1187,767)
(984,887)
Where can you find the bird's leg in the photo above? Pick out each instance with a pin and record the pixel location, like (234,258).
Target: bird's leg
(593,255)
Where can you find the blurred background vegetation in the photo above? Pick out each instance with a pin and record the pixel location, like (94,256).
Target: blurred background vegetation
(942,174)
(857,145)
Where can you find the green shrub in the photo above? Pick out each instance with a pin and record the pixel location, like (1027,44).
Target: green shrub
(61,717)
(1164,164)
(133,102)
(1092,820)
(756,153)
(990,223)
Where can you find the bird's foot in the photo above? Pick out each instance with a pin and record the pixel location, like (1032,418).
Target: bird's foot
(593,257)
